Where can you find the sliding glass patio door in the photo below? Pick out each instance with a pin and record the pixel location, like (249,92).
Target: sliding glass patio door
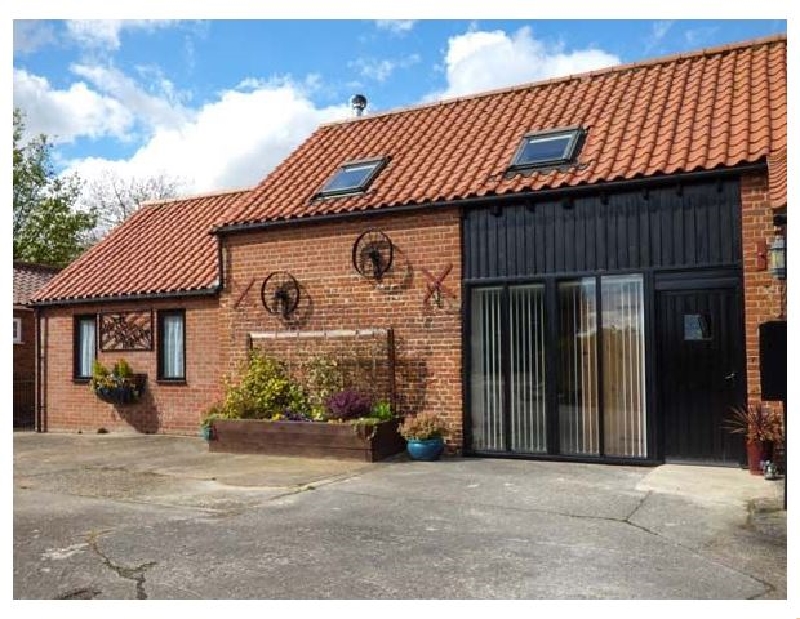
(486,376)
(578,401)
(527,377)
(563,359)
(624,421)
(507,377)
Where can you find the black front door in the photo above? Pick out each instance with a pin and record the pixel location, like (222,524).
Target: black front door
(700,374)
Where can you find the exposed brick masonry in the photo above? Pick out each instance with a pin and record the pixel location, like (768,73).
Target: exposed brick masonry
(334,296)
(175,409)
(764,296)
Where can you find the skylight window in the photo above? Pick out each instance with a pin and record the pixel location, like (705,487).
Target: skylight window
(352,177)
(547,147)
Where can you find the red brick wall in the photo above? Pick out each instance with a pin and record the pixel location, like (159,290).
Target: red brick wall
(764,295)
(176,409)
(334,296)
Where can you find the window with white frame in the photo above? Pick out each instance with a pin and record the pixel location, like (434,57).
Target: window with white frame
(18,330)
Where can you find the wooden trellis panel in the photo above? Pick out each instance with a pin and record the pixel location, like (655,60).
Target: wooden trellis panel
(126,331)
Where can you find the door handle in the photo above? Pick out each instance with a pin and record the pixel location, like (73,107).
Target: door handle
(731,376)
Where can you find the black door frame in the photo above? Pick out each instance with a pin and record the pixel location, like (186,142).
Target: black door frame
(654,280)
(731,278)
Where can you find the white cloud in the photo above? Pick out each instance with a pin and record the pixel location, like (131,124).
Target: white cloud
(484,60)
(160,109)
(658,31)
(31,34)
(396,26)
(69,113)
(105,33)
(233,141)
(380,70)
(699,36)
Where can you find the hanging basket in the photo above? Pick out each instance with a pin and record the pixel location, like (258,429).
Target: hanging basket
(122,391)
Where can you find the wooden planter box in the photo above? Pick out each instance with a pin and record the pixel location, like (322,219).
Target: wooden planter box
(316,440)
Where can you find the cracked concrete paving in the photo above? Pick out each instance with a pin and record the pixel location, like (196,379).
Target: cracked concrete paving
(117,528)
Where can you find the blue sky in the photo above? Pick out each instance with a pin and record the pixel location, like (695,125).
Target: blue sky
(219,103)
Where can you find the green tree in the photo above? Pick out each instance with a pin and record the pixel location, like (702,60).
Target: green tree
(47,227)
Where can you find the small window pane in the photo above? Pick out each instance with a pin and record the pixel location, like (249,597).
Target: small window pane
(351,177)
(86,347)
(17,330)
(172,347)
(696,327)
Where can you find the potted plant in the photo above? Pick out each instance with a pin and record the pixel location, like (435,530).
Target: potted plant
(762,429)
(424,434)
(207,425)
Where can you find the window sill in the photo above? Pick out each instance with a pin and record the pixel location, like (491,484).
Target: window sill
(81,381)
(178,382)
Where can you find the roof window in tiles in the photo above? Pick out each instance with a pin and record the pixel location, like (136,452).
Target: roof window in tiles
(547,148)
(352,177)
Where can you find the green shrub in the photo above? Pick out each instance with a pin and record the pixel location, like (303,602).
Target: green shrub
(122,369)
(99,370)
(322,377)
(264,391)
(382,410)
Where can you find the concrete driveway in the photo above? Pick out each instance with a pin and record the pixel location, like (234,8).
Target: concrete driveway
(127,517)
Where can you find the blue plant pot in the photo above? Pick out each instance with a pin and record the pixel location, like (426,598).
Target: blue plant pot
(207,432)
(428,450)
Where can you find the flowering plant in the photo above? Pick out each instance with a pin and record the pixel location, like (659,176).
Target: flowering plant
(422,427)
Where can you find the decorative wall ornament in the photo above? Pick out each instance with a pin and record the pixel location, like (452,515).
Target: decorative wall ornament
(126,331)
(373,253)
(435,287)
(280,293)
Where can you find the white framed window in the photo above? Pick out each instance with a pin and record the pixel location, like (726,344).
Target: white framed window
(18,330)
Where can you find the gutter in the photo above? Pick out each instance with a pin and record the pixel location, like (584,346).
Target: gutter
(202,292)
(517,197)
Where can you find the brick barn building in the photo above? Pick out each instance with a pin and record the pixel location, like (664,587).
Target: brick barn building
(28,279)
(598,240)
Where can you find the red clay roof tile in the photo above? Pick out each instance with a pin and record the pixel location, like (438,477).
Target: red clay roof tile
(29,278)
(163,247)
(776,166)
(713,108)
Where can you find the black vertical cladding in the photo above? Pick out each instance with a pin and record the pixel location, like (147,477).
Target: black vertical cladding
(697,226)
(580,237)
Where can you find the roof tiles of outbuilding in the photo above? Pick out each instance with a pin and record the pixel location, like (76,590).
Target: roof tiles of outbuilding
(164,247)
(710,109)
